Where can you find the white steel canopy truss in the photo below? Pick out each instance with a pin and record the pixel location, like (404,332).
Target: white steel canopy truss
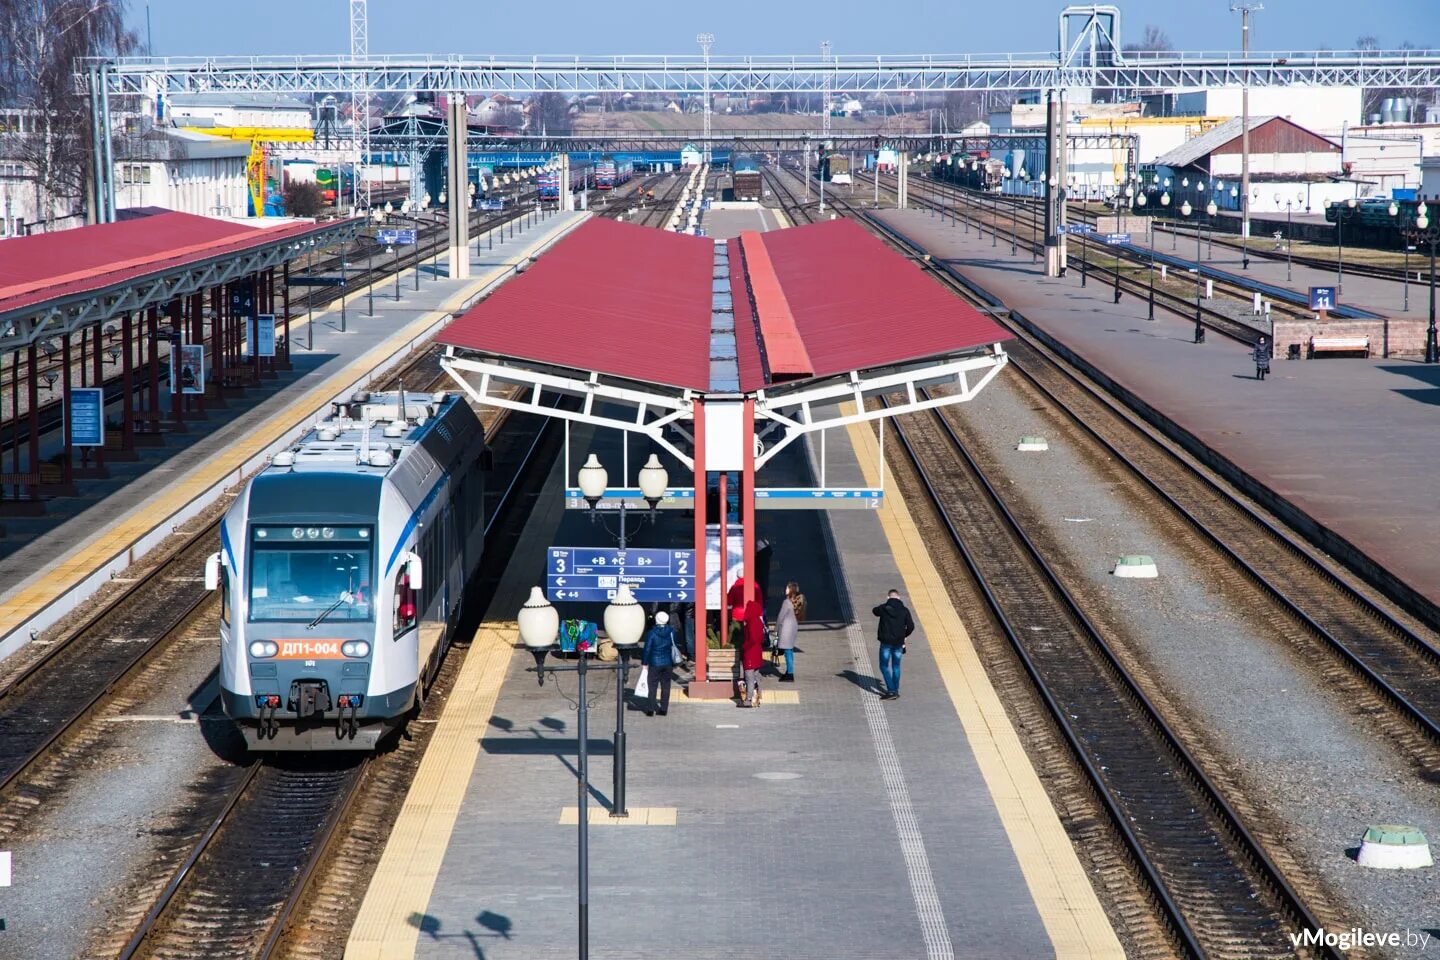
(65,314)
(649,409)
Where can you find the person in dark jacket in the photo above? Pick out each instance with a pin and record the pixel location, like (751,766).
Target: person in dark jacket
(1262,359)
(659,659)
(894,627)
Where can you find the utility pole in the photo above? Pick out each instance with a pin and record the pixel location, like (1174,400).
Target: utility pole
(705,40)
(1245,9)
(823,168)
(360,101)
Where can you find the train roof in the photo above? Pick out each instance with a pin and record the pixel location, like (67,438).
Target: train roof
(368,437)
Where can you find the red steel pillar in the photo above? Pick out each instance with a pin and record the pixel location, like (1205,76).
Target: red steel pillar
(32,376)
(127,373)
(68,463)
(99,381)
(747,502)
(177,399)
(701,614)
(286,293)
(15,420)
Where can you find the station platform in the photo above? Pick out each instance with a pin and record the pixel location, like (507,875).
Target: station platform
(824,824)
(724,224)
(1346,441)
(1386,297)
(45,578)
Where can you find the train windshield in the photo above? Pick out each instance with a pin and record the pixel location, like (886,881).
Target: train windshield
(301,573)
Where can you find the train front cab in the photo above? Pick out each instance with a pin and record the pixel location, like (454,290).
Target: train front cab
(306,637)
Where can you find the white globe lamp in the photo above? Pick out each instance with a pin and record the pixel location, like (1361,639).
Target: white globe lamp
(624,618)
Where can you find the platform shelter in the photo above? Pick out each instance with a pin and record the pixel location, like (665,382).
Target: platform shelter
(102,323)
(722,354)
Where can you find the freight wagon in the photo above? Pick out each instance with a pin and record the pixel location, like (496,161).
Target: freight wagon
(747,178)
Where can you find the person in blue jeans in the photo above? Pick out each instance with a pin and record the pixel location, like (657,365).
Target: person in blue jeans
(894,628)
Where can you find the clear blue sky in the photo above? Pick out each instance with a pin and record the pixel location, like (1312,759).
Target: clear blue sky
(182,27)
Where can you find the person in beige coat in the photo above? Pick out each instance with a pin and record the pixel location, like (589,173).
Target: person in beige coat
(787,625)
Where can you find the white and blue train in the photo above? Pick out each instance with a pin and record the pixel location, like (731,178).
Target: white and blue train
(342,569)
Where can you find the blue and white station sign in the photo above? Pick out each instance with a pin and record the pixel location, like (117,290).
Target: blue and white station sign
(1115,239)
(581,574)
(1323,298)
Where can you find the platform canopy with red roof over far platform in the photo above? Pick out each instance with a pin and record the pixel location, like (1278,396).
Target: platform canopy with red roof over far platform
(647,322)
(57,283)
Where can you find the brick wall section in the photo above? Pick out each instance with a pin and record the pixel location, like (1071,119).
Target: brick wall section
(1388,337)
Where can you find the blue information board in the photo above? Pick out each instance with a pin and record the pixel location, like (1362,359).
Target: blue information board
(260,335)
(395,237)
(490,203)
(1323,298)
(87,417)
(1114,239)
(579,574)
(1076,228)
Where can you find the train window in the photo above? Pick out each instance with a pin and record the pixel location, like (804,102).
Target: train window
(296,576)
(406,608)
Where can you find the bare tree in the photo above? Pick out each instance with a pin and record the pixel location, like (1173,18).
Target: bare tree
(1154,40)
(550,112)
(41,45)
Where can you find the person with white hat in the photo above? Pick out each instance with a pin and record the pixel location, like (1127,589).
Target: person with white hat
(659,660)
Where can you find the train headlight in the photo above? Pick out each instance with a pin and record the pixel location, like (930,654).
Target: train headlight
(312,533)
(328,533)
(264,648)
(355,648)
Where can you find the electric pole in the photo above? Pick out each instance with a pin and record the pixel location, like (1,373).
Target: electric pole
(705,40)
(360,102)
(1245,9)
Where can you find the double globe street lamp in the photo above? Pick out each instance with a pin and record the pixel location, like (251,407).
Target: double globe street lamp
(1426,231)
(624,621)
(1187,210)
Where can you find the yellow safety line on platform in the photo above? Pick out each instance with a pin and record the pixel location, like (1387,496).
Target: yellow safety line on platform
(400,890)
(118,537)
(637,817)
(1064,898)
(768,696)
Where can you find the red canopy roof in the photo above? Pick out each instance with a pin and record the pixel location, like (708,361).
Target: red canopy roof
(634,302)
(47,266)
(612,297)
(858,304)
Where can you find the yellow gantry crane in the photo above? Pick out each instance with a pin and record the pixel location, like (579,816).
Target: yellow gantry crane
(258,138)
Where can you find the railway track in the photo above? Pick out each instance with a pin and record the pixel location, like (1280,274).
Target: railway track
(47,698)
(244,885)
(1395,657)
(1219,892)
(1284,301)
(1398,659)
(986,216)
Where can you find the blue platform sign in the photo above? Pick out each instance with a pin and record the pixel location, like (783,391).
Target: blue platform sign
(490,203)
(87,417)
(1114,239)
(395,238)
(1323,298)
(593,574)
(1076,228)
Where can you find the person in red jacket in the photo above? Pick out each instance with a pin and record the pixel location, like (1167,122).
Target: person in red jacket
(752,649)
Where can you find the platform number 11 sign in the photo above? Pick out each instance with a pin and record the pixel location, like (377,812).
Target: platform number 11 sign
(1323,299)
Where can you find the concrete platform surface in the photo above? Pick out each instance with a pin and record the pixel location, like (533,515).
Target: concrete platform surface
(1348,441)
(832,825)
(34,577)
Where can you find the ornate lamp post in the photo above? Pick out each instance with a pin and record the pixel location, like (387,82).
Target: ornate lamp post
(1186,210)
(539,623)
(1150,249)
(1409,245)
(1343,212)
(1427,231)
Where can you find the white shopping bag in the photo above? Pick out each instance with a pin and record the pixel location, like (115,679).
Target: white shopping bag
(642,682)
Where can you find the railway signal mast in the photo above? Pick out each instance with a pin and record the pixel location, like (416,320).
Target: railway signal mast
(360,101)
(1245,9)
(705,40)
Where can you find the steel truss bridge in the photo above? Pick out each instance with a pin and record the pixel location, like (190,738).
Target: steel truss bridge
(682,75)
